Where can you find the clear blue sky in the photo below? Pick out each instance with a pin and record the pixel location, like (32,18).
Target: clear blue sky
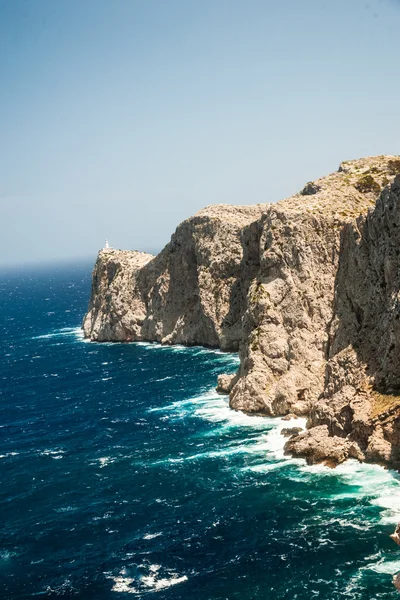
(121,118)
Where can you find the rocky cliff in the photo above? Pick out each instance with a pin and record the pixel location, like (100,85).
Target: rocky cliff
(193,292)
(360,404)
(305,289)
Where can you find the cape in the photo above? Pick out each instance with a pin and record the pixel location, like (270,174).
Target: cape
(307,290)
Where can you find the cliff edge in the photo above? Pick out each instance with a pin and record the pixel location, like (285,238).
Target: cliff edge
(304,289)
(360,403)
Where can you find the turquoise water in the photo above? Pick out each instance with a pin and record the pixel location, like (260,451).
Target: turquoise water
(123,474)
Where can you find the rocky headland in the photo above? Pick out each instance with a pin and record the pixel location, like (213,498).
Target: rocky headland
(307,290)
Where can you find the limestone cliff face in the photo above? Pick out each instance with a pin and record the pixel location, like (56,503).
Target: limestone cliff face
(289,309)
(117,307)
(193,292)
(294,286)
(361,399)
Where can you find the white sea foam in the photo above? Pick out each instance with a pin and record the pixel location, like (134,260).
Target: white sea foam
(184,407)
(158,346)
(65,509)
(381,487)
(376,564)
(7,554)
(151,536)
(213,407)
(389,567)
(257,447)
(105,460)
(360,481)
(76,332)
(210,406)
(159,584)
(123,584)
(265,467)
(153,578)
(9,454)
(56,454)
(229,357)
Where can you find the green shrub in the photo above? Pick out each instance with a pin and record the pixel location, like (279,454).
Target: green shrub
(394,166)
(367,184)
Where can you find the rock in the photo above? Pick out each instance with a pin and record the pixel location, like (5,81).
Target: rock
(378,449)
(396,581)
(310,189)
(289,417)
(285,326)
(193,292)
(225,383)
(117,307)
(396,535)
(361,397)
(289,431)
(307,290)
(317,446)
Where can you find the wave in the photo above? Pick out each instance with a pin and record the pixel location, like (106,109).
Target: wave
(214,408)
(104,461)
(56,454)
(361,481)
(151,577)
(9,454)
(376,565)
(266,440)
(379,486)
(151,536)
(75,332)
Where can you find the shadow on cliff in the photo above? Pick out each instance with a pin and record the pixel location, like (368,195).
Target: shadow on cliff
(175,313)
(249,268)
(364,337)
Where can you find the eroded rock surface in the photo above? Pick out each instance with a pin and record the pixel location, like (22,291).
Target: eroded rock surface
(285,326)
(306,289)
(317,446)
(193,292)
(226,383)
(117,307)
(361,398)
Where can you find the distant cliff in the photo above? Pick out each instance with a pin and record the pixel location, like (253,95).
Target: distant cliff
(305,289)
(193,292)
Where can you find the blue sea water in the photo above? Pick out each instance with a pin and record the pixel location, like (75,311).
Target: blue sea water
(123,474)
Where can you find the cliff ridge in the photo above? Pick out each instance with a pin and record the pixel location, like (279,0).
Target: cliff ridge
(305,289)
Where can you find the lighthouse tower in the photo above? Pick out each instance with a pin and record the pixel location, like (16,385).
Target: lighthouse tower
(107,246)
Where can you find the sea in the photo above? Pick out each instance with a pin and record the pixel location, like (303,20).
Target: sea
(124,475)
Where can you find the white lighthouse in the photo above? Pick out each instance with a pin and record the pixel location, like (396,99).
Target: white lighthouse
(107,246)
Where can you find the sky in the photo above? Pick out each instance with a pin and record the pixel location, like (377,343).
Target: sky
(121,118)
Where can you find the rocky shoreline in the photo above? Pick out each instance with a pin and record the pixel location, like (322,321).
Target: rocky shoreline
(307,290)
